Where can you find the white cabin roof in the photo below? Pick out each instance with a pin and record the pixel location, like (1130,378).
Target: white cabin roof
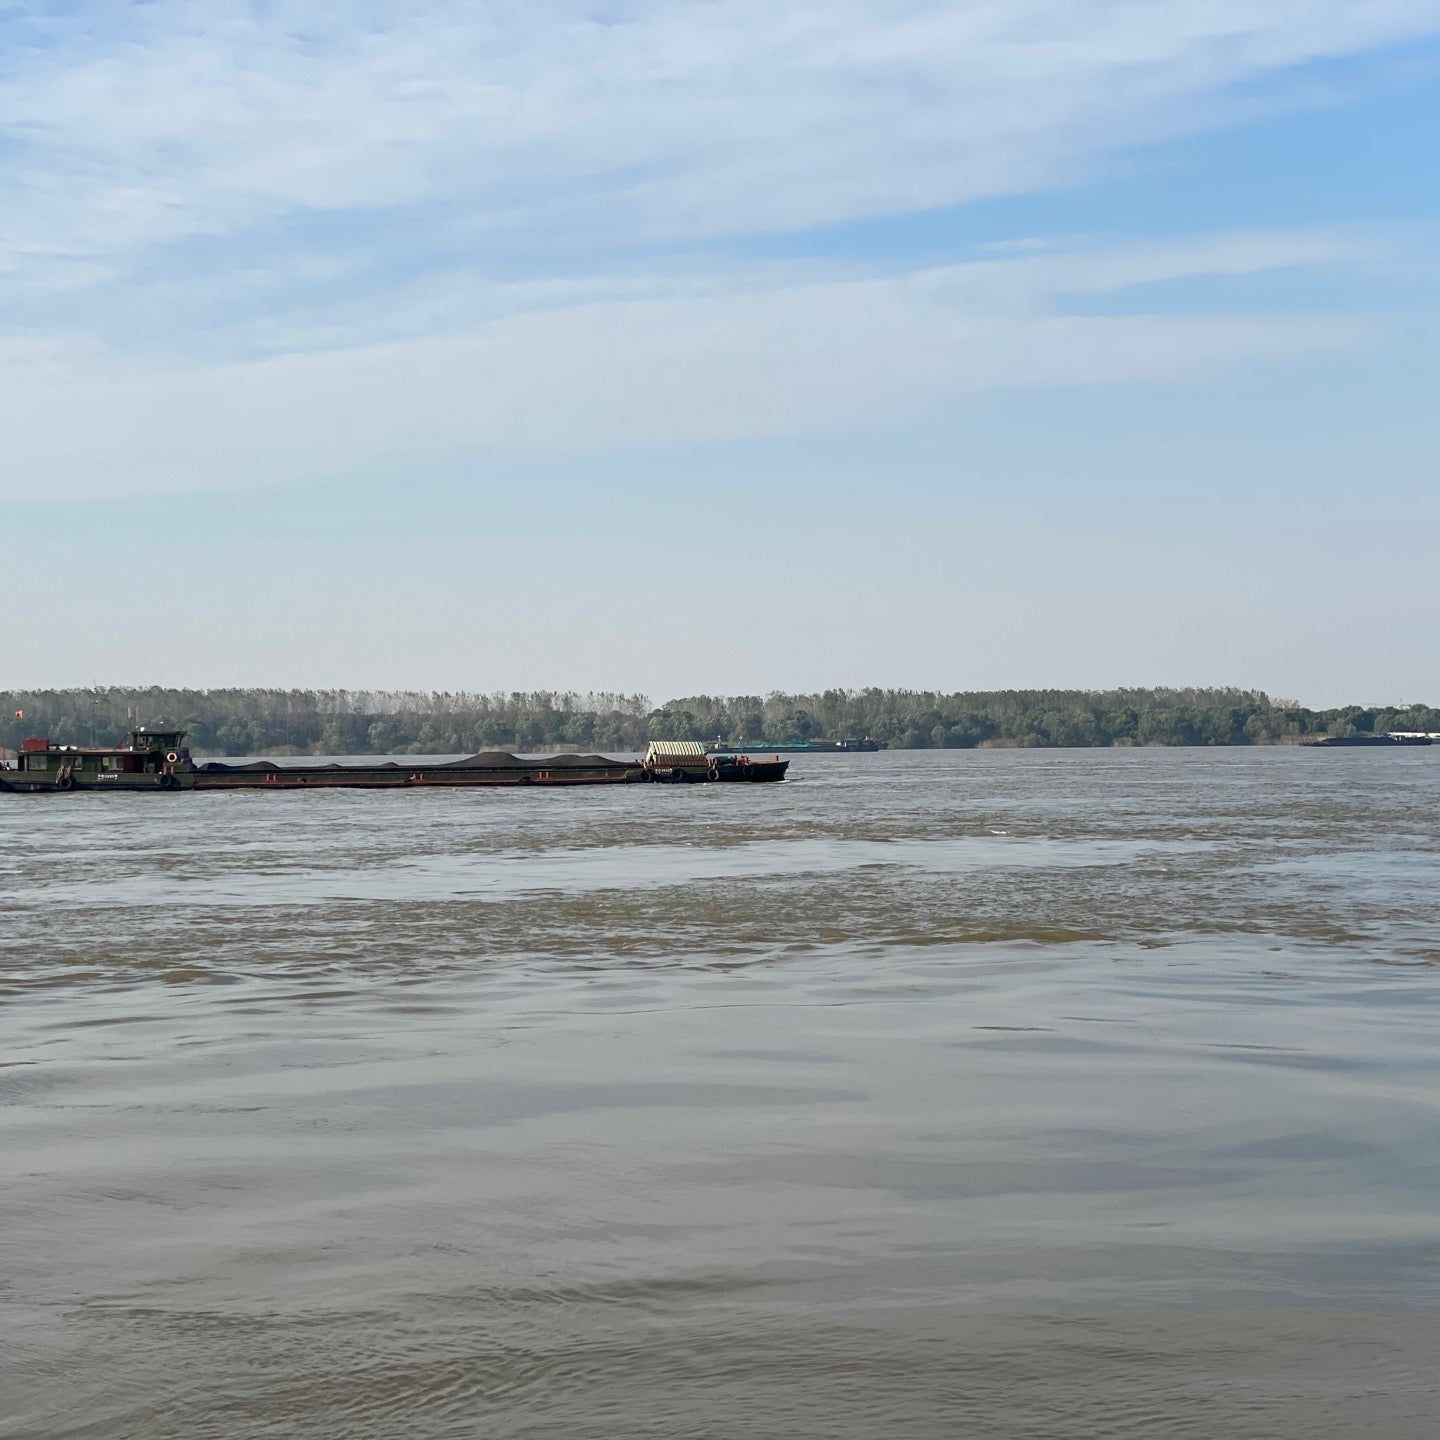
(675,750)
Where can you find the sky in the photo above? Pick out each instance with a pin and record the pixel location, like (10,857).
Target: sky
(718,346)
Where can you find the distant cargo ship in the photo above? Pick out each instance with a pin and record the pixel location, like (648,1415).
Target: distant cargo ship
(1388,741)
(799,747)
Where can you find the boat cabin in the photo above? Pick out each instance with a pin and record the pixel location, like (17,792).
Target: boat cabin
(145,752)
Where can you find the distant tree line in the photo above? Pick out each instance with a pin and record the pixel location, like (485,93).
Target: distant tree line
(370,722)
(919,719)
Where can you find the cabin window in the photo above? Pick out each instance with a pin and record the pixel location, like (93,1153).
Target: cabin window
(112,762)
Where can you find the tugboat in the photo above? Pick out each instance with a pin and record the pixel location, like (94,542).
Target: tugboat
(148,760)
(685,761)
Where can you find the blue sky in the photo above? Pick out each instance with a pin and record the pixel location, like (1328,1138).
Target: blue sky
(723,346)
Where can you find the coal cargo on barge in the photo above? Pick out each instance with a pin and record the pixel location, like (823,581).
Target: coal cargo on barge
(158,760)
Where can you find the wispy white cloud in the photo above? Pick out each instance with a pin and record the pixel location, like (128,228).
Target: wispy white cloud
(218,223)
(128,126)
(669,369)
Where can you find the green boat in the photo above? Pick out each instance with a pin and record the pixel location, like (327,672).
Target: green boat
(149,760)
(849,746)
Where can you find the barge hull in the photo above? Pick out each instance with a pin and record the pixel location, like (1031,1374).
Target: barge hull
(358,778)
(18,783)
(348,778)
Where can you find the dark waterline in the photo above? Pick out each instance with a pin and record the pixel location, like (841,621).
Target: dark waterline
(996,1093)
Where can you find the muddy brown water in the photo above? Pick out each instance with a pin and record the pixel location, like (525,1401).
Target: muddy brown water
(998,1094)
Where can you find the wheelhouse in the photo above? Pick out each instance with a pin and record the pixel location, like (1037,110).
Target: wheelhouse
(145,752)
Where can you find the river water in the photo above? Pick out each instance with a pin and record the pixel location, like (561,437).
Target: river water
(1087,1093)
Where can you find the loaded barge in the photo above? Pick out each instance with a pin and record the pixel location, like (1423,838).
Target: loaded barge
(160,760)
